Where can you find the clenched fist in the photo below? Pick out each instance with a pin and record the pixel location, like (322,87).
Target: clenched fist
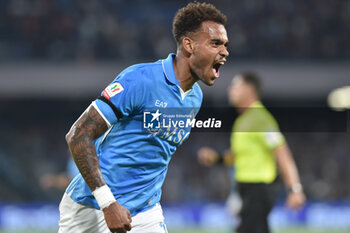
(118,218)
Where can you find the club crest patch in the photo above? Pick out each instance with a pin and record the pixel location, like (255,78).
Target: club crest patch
(112,90)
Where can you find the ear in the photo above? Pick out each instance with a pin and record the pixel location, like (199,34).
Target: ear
(188,44)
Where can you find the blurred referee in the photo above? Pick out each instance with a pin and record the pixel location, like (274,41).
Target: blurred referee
(257,146)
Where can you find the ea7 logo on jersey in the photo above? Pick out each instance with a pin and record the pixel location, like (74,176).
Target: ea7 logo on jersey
(112,90)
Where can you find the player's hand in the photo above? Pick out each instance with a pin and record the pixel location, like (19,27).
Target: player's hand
(207,156)
(295,200)
(118,218)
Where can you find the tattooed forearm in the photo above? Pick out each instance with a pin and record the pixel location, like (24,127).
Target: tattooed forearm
(80,138)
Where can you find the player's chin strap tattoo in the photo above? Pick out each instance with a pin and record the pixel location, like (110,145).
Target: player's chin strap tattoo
(80,139)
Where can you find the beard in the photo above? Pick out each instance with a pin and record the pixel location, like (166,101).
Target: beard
(198,77)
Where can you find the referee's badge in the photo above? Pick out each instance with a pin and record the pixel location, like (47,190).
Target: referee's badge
(112,90)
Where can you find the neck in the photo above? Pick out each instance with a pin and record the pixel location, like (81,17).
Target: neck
(247,103)
(250,101)
(182,72)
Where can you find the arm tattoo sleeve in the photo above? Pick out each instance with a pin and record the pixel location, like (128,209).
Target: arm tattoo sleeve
(80,138)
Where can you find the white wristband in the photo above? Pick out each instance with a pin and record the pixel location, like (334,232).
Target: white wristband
(103,196)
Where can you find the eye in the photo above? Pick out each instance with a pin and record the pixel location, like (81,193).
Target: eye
(215,43)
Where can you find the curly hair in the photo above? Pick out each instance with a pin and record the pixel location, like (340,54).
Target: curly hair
(190,18)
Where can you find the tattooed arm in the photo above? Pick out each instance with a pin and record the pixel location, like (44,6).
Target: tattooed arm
(80,139)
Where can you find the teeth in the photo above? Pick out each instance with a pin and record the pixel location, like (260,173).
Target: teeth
(221,63)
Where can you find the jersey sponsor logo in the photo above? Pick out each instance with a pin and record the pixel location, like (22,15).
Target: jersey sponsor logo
(161,104)
(112,90)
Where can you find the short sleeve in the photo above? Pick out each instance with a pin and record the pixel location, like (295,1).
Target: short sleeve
(273,139)
(271,132)
(122,97)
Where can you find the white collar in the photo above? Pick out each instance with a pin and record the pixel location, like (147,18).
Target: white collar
(183,93)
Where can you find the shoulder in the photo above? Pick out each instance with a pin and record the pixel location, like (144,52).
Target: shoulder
(256,119)
(197,91)
(266,120)
(142,70)
(140,73)
(268,117)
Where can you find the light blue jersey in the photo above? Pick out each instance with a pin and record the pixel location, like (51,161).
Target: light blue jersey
(135,151)
(71,168)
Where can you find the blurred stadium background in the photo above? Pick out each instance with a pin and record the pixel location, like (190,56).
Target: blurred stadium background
(57,55)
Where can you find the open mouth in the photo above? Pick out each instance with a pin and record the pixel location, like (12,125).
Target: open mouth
(216,68)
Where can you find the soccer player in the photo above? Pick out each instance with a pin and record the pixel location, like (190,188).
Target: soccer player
(122,163)
(257,147)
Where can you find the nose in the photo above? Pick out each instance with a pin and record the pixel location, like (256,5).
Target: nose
(224,52)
